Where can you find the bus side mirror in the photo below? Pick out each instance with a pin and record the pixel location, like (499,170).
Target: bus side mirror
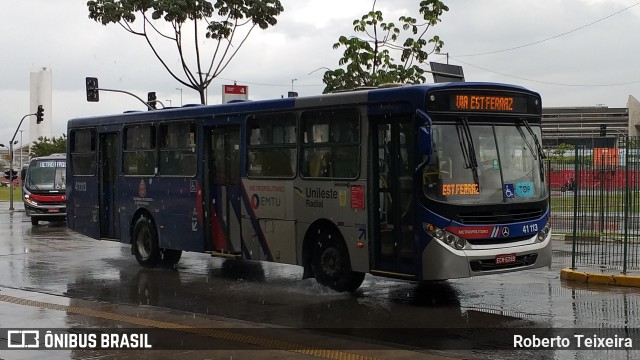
(424,141)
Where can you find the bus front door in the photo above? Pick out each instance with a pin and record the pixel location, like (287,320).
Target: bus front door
(394,244)
(223,190)
(109,222)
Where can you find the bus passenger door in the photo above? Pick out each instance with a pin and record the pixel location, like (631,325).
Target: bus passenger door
(109,221)
(223,189)
(392,174)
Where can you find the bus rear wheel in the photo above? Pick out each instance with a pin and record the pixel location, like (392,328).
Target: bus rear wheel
(331,265)
(145,243)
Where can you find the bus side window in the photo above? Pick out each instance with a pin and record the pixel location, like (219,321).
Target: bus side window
(83,152)
(331,143)
(271,145)
(177,146)
(139,150)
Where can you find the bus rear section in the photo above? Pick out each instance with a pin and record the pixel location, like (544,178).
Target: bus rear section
(44,189)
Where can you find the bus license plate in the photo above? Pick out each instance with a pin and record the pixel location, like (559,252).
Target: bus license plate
(505,259)
(54,210)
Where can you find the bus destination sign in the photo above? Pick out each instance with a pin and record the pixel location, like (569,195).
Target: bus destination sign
(472,102)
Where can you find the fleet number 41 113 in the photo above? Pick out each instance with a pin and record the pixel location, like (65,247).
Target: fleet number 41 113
(529,228)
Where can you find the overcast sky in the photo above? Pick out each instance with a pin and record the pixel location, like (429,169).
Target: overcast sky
(573,52)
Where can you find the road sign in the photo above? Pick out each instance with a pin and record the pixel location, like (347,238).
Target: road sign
(234,92)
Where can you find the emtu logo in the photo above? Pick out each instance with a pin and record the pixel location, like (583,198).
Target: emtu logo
(255,201)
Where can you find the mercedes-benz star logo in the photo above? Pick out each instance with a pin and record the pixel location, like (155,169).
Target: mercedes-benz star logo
(505,231)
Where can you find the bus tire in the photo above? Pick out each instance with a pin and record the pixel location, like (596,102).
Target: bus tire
(170,257)
(34,221)
(331,264)
(145,243)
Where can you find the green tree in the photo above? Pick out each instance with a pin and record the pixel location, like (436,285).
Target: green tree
(558,153)
(369,59)
(227,22)
(45,146)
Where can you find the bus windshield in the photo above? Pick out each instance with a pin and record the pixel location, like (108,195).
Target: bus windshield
(46,175)
(488,163)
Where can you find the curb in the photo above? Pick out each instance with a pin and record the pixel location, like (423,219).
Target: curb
(616,280)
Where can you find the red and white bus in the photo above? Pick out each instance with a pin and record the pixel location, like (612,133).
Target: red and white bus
(44,189)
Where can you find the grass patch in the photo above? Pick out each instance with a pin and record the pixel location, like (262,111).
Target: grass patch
(17,194)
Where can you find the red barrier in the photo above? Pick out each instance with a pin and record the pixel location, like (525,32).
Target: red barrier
(609,178)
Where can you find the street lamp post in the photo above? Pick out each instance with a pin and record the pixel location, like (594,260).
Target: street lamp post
(11,143)
(169,100)
(39,115)
(292,80)
(446,54)
(320,68)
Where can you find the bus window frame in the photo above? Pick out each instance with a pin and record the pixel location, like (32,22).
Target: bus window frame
(250,148)
(160,149)
(304,145)
(153,143)
(92,150)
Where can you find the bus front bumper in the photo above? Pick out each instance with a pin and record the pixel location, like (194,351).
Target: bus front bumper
(441,262)
(46,211)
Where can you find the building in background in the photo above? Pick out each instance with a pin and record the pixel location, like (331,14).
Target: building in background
(597,126)
(41,94)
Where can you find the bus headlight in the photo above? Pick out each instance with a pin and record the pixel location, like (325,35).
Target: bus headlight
(544,232)
(446,237)
(28,199)
(450,239)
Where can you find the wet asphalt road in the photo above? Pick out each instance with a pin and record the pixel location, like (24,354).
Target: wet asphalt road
(52,264)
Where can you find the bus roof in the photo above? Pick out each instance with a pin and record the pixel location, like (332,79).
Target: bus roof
(413,93)
(54,156)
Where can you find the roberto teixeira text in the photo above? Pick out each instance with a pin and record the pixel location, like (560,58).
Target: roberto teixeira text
(576,341)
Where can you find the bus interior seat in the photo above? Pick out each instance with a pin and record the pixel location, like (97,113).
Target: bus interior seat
(316,168)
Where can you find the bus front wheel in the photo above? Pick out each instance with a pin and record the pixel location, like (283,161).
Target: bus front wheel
(145,243)
(331,264)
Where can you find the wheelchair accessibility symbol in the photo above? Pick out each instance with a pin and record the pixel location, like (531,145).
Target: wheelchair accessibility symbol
(509,191)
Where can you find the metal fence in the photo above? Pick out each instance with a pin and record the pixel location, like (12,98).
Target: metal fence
(595,200)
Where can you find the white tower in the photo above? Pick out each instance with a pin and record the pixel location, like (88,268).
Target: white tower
(40,95)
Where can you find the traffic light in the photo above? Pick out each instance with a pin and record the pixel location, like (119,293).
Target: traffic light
(11,174)
(39,114)
(603,130)
(151,99)
(92,89)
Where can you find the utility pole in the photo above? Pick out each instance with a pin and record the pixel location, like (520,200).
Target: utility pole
(39,117)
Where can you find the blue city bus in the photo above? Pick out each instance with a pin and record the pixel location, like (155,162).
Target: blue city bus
(421,182)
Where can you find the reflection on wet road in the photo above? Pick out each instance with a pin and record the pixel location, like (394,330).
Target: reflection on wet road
(52,259)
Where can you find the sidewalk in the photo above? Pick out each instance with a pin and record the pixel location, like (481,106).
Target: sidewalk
(598,276)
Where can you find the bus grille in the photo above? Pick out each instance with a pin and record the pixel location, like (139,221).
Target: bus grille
(496,241)
(500,217)
(490,264)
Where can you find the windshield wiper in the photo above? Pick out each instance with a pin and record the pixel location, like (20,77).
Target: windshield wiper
(535,139)
(467,147)
(534,153)
(541,154)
